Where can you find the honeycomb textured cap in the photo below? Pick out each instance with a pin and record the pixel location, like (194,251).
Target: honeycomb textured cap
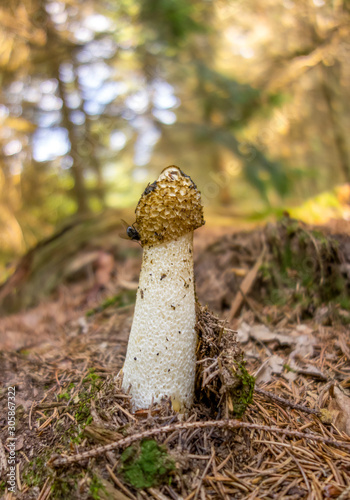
(169,208)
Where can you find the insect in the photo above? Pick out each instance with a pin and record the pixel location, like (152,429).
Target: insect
(150,188)
(131,231)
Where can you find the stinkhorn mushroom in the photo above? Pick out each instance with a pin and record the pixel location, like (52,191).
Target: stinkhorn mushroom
(161,358)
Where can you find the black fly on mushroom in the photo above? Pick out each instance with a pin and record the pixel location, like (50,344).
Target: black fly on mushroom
(131,231)
(160,362)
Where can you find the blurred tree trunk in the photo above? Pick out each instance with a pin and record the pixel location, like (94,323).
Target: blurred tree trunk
(88,140)
(79,189)
(204,51)
(57,51)
(330,98)
(330,76)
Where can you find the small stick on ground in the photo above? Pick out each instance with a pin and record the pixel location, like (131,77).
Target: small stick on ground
(286,402)
(203,475)
(57,460)
(246,286)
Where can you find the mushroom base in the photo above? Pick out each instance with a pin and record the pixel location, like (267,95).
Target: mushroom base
(161,359)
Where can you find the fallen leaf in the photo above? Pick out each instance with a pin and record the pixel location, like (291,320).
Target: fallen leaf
(304,346)
(331,490)
(243,333)
(309,370)
(274,364)
(19,443)
(290,376)
(263,334)
(340,408)
(303,329)
(312,371)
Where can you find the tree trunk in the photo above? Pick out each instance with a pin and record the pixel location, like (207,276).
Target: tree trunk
(339,136)
(79,189)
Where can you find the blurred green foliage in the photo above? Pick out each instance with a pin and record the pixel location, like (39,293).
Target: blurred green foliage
(97,97)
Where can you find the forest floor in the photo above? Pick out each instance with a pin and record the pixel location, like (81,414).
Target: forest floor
(284,288)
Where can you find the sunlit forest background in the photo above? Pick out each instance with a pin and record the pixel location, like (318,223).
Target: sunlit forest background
(251,99)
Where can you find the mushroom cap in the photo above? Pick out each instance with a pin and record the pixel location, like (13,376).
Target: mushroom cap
(169,208)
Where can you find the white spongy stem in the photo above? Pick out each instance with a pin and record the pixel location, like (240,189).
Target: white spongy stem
(161,358)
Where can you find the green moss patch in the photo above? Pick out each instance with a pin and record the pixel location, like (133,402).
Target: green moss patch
(303,269)
(242,396)
(147,464)
(95,488)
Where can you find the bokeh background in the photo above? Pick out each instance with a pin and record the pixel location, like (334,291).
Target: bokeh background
(97,96)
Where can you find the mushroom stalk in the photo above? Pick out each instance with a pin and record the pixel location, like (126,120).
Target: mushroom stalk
(161,357)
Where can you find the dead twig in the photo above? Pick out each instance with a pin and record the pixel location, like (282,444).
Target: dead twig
(246,286)
(46,489)
(119,483)
(200,482)
(57,460)
(286,402)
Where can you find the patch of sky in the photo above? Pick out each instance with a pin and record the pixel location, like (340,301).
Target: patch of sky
(80,33)
(93,108)
(66,162)
(77,117)
(48,144)
(109,91)
(54,7)
(16,87)
(163,95)
(102,95)
(97,50)
(148,136)
(128,115)
(13,147)
(98,23)
(117,140)
(4,111)
(31,94)
(164,116)
(73,100)
(50,102)
(138,102)
(49,119)
(93,75)
(59,18)
(66,72)
(48,86)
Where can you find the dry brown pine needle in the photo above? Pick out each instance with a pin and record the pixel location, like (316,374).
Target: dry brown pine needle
(57,460)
